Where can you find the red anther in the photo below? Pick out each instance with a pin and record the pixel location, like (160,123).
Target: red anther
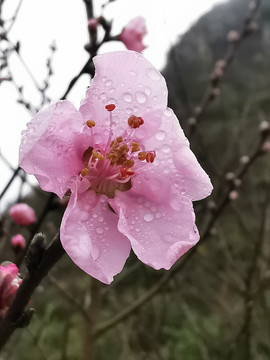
(150,157)
(126,172)
(135,122)
(110,107)
(141,120)
(129,171)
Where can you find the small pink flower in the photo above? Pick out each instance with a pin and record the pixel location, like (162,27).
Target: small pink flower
(18,242)
(9,283)
(22,214)
(133,33)
(125,160)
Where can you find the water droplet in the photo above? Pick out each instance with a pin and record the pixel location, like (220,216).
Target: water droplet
(127,97)
(147,204)
(141,97)
(95,252)
(166,149)
(168,112)
(100,219)
(99,230)
(84,215)
(103,96)
(148,217)
(160,135)
(169,238)
(108,83)
(153,74)
(94,215)
(137,230)
(158,215)
(132,73)
(147,90)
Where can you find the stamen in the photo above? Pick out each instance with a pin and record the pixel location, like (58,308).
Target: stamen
(135,122)
(110,107)
(84,172)
(150,157)
(135,147)
(90,123)
(142,155)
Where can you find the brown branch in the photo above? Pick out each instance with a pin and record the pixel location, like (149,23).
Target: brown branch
(71,299)
(213,89)
(40,261)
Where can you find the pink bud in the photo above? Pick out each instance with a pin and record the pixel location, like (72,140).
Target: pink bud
(133,33)
(18,242)
(92,24)
(266,146)
(9,283)
(22,214)
(233,36)
(234,195)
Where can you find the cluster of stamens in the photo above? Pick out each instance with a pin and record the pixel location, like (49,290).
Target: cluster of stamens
(110,168)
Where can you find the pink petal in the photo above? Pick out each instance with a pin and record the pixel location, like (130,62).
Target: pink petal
(159,231)
(129,81)
(176,161)
(52,147)
(90,237)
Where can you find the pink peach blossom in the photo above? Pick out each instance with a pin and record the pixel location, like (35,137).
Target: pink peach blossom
(22,214)
(133,33)
(18,242)
(9,283)
(127,164)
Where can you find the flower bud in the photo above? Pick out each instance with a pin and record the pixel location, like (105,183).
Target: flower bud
(133,33)
(233,36)
(22,214)
(233,195)
(9,283)
(18,242)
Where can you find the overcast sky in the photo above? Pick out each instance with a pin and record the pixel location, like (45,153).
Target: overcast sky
(40,22)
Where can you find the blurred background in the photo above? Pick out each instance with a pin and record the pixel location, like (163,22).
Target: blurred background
(217,306)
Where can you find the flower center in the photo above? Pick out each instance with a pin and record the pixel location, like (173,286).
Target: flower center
(112,168)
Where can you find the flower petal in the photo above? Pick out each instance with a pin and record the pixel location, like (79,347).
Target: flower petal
(52,147)
(129,81)
(175,160)
(159,231)
(90,237)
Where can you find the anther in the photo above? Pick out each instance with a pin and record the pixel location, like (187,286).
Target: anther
(90,123)
(110,107)
(119,139)
(135,147)
(150,157)
(84,171)
(135,122)
(142,155)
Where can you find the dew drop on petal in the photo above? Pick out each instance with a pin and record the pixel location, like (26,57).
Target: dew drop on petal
(132,73)
(141,97)
(108,83)
(160,135)
(153,74)
(169,238)
(148,217)
(158,215)
(100,219)
(99,230)
(127,97)
(166,149)
(147,90)
(103,96)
